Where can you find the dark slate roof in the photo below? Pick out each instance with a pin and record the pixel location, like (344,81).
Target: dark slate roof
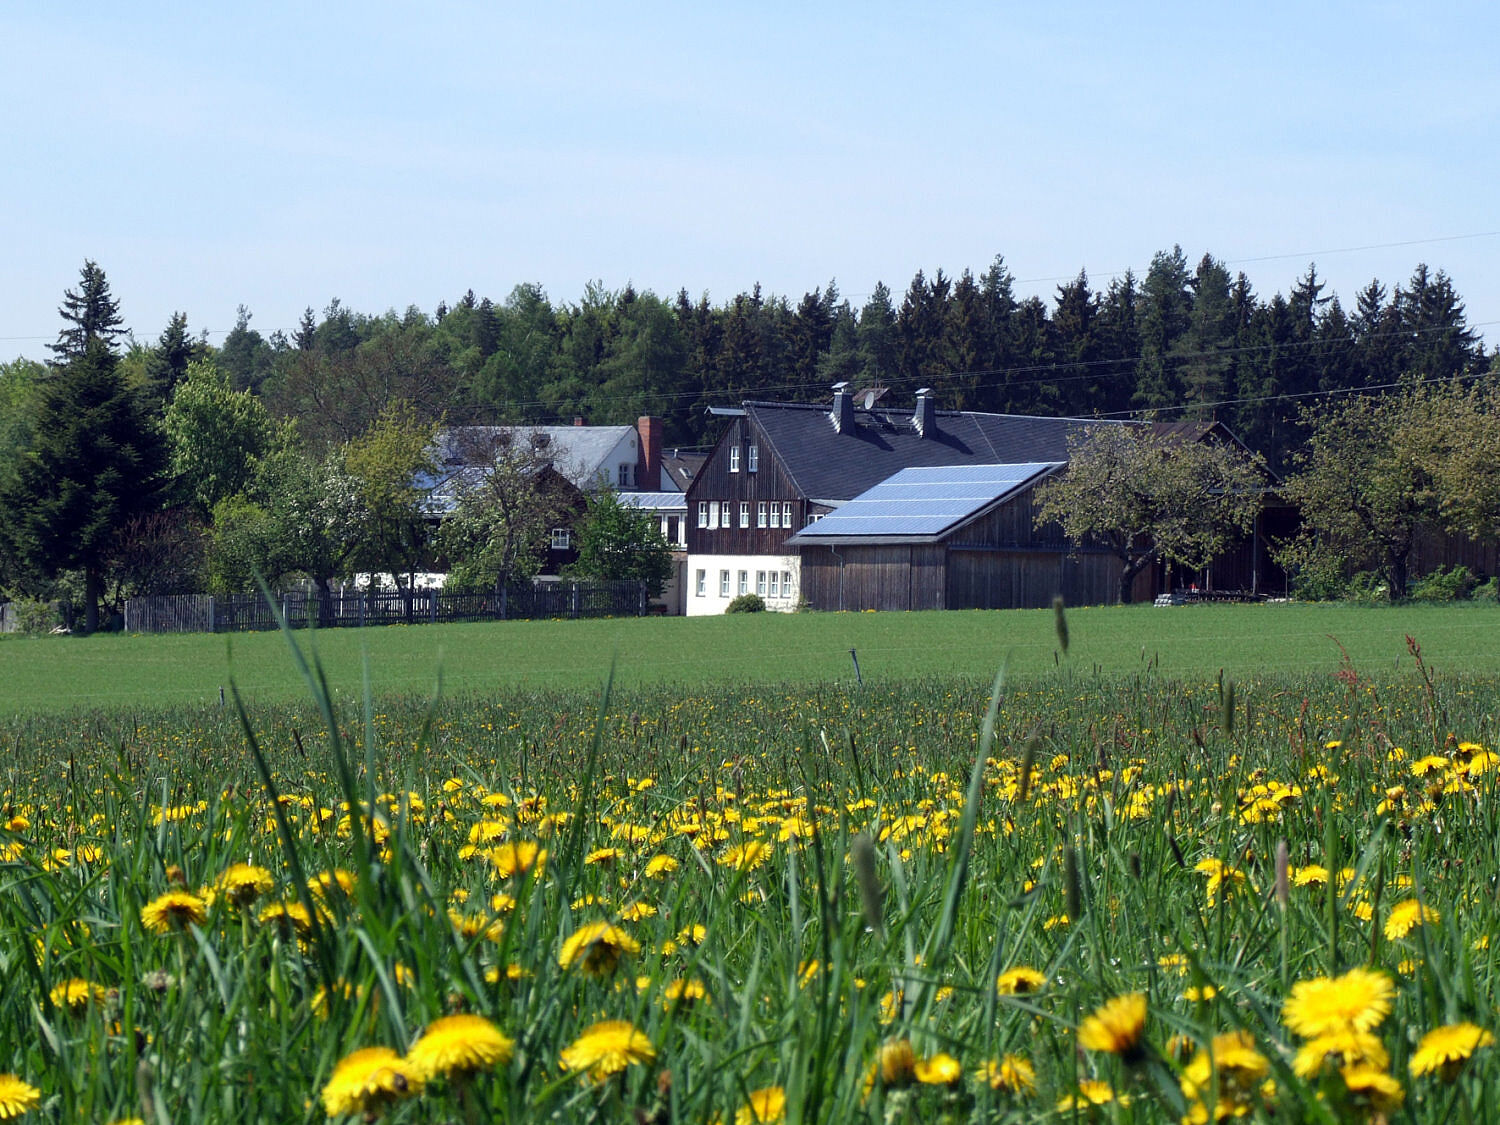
(826,465)
(919,505)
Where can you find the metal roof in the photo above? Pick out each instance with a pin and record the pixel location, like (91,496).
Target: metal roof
(923,502)
(654,501)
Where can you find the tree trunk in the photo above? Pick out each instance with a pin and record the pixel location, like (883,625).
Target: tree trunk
(1395,577)
(325,600)
(91,584)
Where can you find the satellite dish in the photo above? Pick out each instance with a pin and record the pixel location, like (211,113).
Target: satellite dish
(868,397)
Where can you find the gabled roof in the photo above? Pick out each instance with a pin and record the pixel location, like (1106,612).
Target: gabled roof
(579,453)
(922,505)
(654,501)
(828,466)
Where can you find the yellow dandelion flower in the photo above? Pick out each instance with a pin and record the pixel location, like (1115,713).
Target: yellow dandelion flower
(517,858)
(1116,1027)
(1374,1089)
(607,1048)
(367,1081)
(243,883)
(1445,1050)
(1013,1074)
(1020,981)
(604,857)
(683,992)
(940,1069)
(1194,995)
(459,1044)
(16,1097)
(1091,1093)
(338,883)
(895,1065)
(765,1106)
(1360,999)
(1341,1047)
(174,911)
(596,947)
(292,918)
(661,865)
(77,994)
(636,911)
(1407,916)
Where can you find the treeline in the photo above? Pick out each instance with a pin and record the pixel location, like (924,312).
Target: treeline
(1179,336)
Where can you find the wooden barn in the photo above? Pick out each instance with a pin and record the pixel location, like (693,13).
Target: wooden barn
(950,537)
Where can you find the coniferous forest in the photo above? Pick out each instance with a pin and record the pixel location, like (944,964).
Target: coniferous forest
(1178,336)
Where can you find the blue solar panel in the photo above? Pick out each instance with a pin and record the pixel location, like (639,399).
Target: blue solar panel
(924,501)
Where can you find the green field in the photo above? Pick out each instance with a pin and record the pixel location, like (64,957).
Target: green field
(50,674)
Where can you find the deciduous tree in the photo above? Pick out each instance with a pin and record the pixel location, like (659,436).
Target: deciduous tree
(617,542)
(1147,495)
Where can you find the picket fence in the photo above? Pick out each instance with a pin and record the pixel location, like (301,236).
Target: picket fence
(239,613)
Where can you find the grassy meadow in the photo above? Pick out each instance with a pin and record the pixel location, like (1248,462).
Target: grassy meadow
(108,671)
(1115,886)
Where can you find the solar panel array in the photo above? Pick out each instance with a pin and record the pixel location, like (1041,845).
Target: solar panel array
(925,500)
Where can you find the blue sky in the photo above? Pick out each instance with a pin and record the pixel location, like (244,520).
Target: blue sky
(279,155)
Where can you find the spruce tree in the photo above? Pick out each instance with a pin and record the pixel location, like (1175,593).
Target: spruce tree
(92,314)
(96,462)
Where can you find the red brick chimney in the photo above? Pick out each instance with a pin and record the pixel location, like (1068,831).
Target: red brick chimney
(648,464)
(578,419)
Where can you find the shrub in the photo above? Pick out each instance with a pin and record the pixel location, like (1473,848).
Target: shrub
(747,603)
(1488,590)
(1445,585)
(35,618)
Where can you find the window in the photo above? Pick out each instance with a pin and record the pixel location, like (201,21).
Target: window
(786,583)
(698,589)
(713,513)
(734,458)
(743,584)
(561,539)
(775,583)
(624,476)
(728,516)
(775,514)
(744,513)
(723,583)
(760,514)
(702,513)
(786,514)
(760,583)
(753,458)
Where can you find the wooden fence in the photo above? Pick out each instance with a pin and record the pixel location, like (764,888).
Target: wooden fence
(239,613)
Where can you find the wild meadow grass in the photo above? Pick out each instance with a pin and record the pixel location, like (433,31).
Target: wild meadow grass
(1084,896)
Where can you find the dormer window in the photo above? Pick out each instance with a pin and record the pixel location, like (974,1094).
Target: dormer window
(752,458)
(734,458)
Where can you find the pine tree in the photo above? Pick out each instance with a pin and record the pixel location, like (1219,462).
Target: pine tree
(92,313)
(96,462)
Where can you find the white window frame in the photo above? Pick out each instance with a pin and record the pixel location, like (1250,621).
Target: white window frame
(786,515)
(760,514)
(562,538)
(723,583)
(713,513)
(775,583)
(744,513)
(760,583)
(775,514)
(624,475)
(786,583)
(702,513)
(743,583)
(752,458)
(734,458)
(702,585)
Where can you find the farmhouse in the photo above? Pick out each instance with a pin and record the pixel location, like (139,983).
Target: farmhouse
(939,510)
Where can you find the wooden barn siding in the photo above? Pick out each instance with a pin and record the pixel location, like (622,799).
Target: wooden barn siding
(768,483)
(1433,549)
(875,577)
(1000,579)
